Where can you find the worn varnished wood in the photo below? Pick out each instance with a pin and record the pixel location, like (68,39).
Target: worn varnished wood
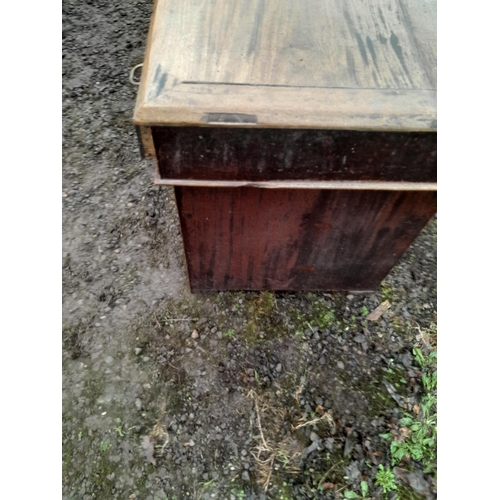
(335,64)
(344,185)
(145,137)
(229,154)
(259,239)
(300,136)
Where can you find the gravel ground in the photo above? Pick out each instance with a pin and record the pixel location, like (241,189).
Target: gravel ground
(167,394)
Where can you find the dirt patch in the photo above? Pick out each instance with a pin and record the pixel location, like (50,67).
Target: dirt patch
(275,396)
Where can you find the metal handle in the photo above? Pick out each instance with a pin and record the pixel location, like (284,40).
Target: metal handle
(132,73)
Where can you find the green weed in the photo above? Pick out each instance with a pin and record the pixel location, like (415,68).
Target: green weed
(118,428)
(364,491)
(387,292)
(230,334)
(325,319)
(385,478)
(104,446)
(420,428)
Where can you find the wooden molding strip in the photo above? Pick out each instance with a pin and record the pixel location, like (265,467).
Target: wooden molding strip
(405,110)
(353,185)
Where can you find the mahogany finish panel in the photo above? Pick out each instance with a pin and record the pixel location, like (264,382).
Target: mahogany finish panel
(293,239)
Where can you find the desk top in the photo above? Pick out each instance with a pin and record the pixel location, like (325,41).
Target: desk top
(337,64)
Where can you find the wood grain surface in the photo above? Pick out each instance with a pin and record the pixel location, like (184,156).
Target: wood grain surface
(260,239)
(145,136)
(340,64)
(229,154)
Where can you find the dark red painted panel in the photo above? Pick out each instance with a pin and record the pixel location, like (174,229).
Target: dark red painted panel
(297,239)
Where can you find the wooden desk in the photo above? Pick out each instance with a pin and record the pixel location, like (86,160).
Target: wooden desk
(300,136)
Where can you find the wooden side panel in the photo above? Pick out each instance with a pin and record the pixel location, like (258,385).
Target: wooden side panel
(221,154)
(146,143)
(260,239)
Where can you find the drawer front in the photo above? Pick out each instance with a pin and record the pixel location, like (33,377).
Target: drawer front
(246,154)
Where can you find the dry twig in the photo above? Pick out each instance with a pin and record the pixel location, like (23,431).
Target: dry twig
(326,417)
